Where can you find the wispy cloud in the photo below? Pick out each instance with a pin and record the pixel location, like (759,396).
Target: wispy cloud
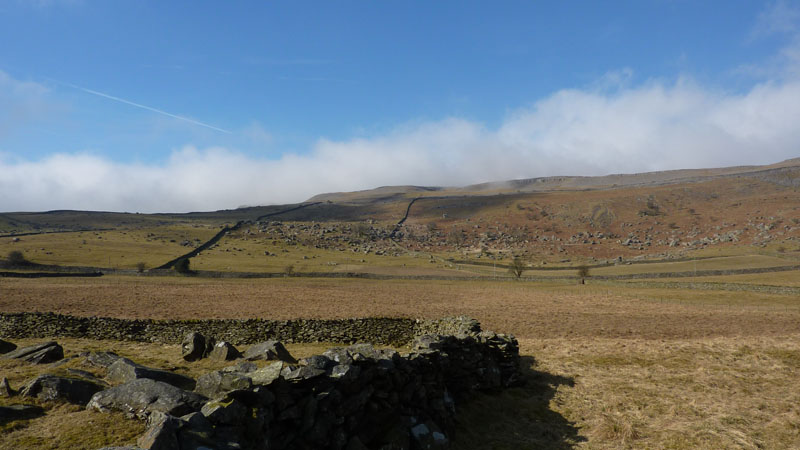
(139,105)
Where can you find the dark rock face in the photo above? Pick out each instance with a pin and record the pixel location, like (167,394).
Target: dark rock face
(51,387)
(124,370)
(144,396)
(38,354)
(6,347)
(269,351)
(193,346)
(19,412)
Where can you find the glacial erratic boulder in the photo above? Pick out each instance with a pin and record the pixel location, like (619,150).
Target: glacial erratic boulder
(224,351)
(44,353)
(269,351)
(51,387)
(193,347)
(144,396)
(124,370)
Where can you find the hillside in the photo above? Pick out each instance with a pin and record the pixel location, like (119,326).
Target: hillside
(561,221)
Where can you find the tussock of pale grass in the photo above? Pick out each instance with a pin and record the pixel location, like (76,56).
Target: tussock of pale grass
(727,392)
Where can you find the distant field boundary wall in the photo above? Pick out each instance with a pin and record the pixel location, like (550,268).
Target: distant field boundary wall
(217,237)
(377,330)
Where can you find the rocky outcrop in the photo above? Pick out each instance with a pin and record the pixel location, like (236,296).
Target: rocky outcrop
(355,397)
(50,387)
(124,370)
(144,396)
(268,351)
(38,354)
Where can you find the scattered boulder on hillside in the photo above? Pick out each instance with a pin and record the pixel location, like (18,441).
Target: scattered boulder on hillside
(19,412)
(5,388)
(269,351)
(224,351)
(51,387)
(193,346)
(124,370)
(101,359)
(143,396)
(38,354)
(6,347)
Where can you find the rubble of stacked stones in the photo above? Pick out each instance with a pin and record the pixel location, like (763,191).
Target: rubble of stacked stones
(355,397)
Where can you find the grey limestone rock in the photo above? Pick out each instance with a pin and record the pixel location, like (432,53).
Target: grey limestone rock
(38,354)
(144,396)
(269,351)
(193,346)
(161,433)
(124,370)
(224,351)
(51,387)
(217,383)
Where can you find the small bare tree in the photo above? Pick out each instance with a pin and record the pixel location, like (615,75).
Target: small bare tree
(517,267)
(140,267)
(583,273)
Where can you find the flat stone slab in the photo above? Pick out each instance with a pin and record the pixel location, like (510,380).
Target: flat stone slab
(124,370)
(144,396)
(269,351)
(38,354)
(51,387)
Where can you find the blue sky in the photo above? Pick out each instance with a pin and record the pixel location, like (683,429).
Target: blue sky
(174,106)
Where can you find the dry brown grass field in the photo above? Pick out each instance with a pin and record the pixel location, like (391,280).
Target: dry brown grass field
(608,365)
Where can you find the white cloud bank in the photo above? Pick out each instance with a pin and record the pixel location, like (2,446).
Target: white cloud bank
(654,126)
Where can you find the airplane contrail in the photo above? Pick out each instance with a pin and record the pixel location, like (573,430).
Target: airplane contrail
(138,105)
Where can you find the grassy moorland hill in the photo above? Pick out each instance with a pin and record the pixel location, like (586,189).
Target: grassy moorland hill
(684,335)
(549,223)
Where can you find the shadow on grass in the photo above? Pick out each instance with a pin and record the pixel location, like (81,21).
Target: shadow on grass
(517,418)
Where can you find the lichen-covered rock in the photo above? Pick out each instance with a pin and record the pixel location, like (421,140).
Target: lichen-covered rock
(38,354)
(51,387)
(124,370)
(225,411)
(218,383)
(144,396)
(269,351)
(266,374)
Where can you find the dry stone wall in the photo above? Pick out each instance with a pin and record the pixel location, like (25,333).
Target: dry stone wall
(381,331)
